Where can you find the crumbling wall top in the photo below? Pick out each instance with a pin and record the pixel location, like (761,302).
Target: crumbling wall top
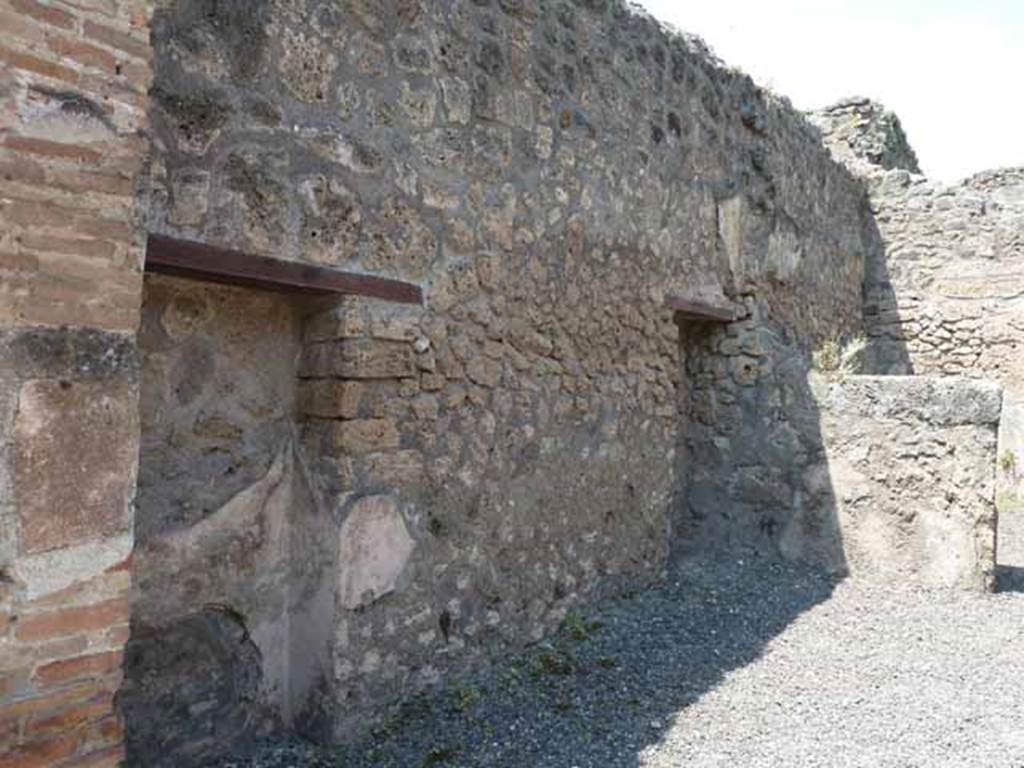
(859,129)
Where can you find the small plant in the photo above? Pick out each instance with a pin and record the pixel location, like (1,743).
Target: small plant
(562,703)
(851,359)
(607,662)
(578,628)
(1008,462)
(513,675)
(411,709)
(575,626)
(464,697)
(556,662)
(839,358)
(439,755)
(826,357)
(1007,501)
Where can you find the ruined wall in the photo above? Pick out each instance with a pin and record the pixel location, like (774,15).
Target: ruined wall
(945,280)
(912,461)
(73,83)
(549,172)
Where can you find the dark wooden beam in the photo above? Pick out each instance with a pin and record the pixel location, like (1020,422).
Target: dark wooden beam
(688,309)
(199,261)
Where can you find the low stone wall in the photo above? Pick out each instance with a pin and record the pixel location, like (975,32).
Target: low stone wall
(912,462)
(944,278)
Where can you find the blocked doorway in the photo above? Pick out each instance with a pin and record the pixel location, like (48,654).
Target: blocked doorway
(236,565)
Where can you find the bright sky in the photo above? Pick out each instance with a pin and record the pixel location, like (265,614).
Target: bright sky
(951,69)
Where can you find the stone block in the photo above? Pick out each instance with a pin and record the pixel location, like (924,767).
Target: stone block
(376,359)
(358,359)
(365,436)
(911,465)
(73,458)
(399,468)
(330,398)
(64,622)
(345,321)
(374,547)
(320,361)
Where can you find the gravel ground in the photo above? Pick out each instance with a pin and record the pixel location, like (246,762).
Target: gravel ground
(731,666)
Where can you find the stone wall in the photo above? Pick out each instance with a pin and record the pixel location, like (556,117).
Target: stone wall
(913,463)
(421,488)
(945,280)
(549,172)
(73,100)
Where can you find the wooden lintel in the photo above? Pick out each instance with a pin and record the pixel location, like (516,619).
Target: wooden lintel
(199,261)
(688,309)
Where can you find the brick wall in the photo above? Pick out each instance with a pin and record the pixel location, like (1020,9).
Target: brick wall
(74,78)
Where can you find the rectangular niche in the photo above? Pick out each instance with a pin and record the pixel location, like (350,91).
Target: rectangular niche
(218,570)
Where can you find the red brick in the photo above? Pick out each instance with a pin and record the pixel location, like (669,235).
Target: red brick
(41,754)
(92,249)
(118,636)
(22,262)
(9,731)
(44,13)
(97,664)
(138,74)
(121,90)
(106,7)
(70,718)
(60,648)
(31,63)
(86,181)
(115,38)
(84,53)
(59,313)
(70,621)
(108,584)
(56,306)
(124,565)
(55,149)
(34,213)
(97,227)
(16,168)
(17,26)
(44,288)
(106,732)
(89,286)
(53,700)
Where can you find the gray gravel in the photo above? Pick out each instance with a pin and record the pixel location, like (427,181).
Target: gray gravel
(731,665)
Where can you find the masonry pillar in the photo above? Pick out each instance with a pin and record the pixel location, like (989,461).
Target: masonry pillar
(73,92)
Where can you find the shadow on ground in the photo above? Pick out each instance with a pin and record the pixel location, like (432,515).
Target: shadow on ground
(1009,578)
(605,688)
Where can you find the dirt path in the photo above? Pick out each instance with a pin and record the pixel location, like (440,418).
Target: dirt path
(733,666)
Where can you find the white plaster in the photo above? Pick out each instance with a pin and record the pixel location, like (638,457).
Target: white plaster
(50,572)
(374,548)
